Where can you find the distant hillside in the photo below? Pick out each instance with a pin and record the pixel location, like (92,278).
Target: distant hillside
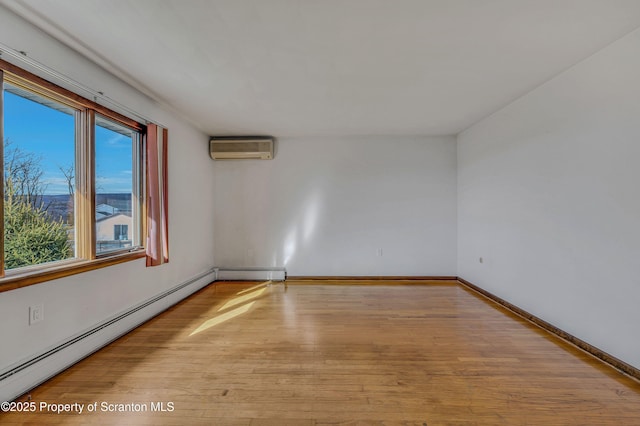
(122,202)
(60,206)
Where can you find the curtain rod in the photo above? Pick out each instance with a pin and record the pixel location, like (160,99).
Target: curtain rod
(96,96)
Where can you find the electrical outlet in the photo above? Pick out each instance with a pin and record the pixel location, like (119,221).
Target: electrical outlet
(481,260)
(36,313)
(379,252)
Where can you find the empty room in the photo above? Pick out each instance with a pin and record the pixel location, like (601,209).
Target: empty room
(301,212)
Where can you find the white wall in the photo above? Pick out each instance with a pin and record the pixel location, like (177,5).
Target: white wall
(76,303)
(325,206)
(548,195)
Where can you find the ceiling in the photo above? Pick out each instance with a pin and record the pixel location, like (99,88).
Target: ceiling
(334,67)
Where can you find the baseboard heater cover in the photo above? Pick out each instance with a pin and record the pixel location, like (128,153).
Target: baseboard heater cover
(251,274)
(29,373)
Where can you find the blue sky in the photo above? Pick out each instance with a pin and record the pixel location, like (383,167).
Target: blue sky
(49,134)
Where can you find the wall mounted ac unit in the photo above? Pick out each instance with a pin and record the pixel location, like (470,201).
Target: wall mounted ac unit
(241,147)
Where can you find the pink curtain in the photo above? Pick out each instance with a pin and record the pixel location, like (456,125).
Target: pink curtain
(157,196)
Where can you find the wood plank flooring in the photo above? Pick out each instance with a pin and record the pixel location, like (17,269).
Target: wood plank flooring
(313,354)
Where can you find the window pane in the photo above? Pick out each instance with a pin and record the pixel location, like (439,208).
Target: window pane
(39,164)
(115,149)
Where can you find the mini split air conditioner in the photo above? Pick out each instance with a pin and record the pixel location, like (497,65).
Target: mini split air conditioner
(241,147)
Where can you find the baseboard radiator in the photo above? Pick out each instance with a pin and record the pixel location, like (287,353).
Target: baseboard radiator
(29,373)
(251,274)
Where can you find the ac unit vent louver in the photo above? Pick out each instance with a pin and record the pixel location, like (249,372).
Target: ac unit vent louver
(241,147)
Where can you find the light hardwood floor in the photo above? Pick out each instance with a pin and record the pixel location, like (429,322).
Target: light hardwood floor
(314,354)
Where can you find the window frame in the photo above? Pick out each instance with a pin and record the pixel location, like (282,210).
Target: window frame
(85,193)
(137,191)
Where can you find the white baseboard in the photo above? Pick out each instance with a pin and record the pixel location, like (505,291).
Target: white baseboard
(41,367)
(251,274)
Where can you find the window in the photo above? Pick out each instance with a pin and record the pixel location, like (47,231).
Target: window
(39,159)
(121,232)
(117,191)
(72,181)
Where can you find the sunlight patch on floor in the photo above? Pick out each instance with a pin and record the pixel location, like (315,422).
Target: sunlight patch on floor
(246,290)
(241,299)
(222,318)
